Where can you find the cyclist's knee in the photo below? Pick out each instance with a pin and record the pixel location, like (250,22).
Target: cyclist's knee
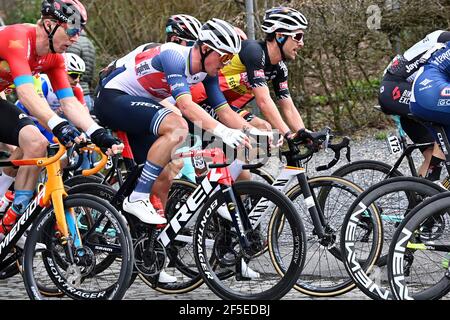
(32,142)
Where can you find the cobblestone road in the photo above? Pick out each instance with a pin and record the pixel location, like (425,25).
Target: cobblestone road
(369,148)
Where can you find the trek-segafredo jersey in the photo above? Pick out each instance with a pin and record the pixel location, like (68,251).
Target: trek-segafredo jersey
(406,65)
(158,72)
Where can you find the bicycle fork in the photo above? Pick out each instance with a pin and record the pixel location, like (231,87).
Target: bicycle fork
(240,219)
(314,210)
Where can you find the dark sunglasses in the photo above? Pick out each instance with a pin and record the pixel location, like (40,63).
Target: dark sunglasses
(71,32)
(74,75)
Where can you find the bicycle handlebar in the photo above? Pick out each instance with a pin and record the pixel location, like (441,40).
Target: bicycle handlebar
(313,142)
(101,164)
(337,153)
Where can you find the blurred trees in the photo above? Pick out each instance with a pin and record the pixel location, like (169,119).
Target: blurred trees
(334,80)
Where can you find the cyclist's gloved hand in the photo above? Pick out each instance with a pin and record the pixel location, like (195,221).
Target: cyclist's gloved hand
(256,132)
(66,133)
(106,142)
(231,137)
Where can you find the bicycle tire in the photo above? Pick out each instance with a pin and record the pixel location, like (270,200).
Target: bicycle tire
(211,268)
(339,194)
(349,170)
(408,232)
(179,287)
(43,230)
(79,179)
(375,202)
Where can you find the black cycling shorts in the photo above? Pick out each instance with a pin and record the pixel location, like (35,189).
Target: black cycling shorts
(139,117)
(12,120)
(394,97)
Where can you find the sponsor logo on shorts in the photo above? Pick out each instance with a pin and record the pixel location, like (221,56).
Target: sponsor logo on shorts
(396,94)
(22,116)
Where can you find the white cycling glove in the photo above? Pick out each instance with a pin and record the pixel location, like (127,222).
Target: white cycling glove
(231,137)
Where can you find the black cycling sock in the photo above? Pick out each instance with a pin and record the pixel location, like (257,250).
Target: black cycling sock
(434,170)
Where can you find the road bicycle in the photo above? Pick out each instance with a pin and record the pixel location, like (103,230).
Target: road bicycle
(55,249)
(234,244)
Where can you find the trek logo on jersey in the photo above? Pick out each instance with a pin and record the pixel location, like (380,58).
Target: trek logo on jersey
(445,92)
(284,85)
(259,74)
(142,69)
(170,76)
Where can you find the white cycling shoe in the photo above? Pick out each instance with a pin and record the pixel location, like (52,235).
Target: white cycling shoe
(143,210)
(164,277)
(248,272)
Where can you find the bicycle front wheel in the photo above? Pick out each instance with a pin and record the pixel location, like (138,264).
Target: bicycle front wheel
(233,272)
(419,254)
(324,274)
(74,270)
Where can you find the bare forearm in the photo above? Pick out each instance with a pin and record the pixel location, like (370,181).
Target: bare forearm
(231,119)
(76,113)
(272,115)
(198,116)
(293,118)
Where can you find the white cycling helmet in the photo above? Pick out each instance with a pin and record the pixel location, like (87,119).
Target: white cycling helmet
(220,35)
(74,63)
(283,19)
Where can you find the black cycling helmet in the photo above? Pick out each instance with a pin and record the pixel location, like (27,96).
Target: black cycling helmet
(71,12)
(183,26)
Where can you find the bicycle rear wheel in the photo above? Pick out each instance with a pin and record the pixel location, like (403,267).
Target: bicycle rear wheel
(106,236)
(370,224)
(225,266)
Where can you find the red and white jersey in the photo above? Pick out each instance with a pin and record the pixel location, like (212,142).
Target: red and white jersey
(156,72)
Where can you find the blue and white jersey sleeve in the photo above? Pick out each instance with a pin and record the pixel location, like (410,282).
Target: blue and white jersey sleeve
(173,64)
(216,99)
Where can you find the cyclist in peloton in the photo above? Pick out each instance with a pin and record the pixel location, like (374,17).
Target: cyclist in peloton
(130,94)
(26,50)
(395,93)
(430,99)
(184,29)
(75,68)
(246,77)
